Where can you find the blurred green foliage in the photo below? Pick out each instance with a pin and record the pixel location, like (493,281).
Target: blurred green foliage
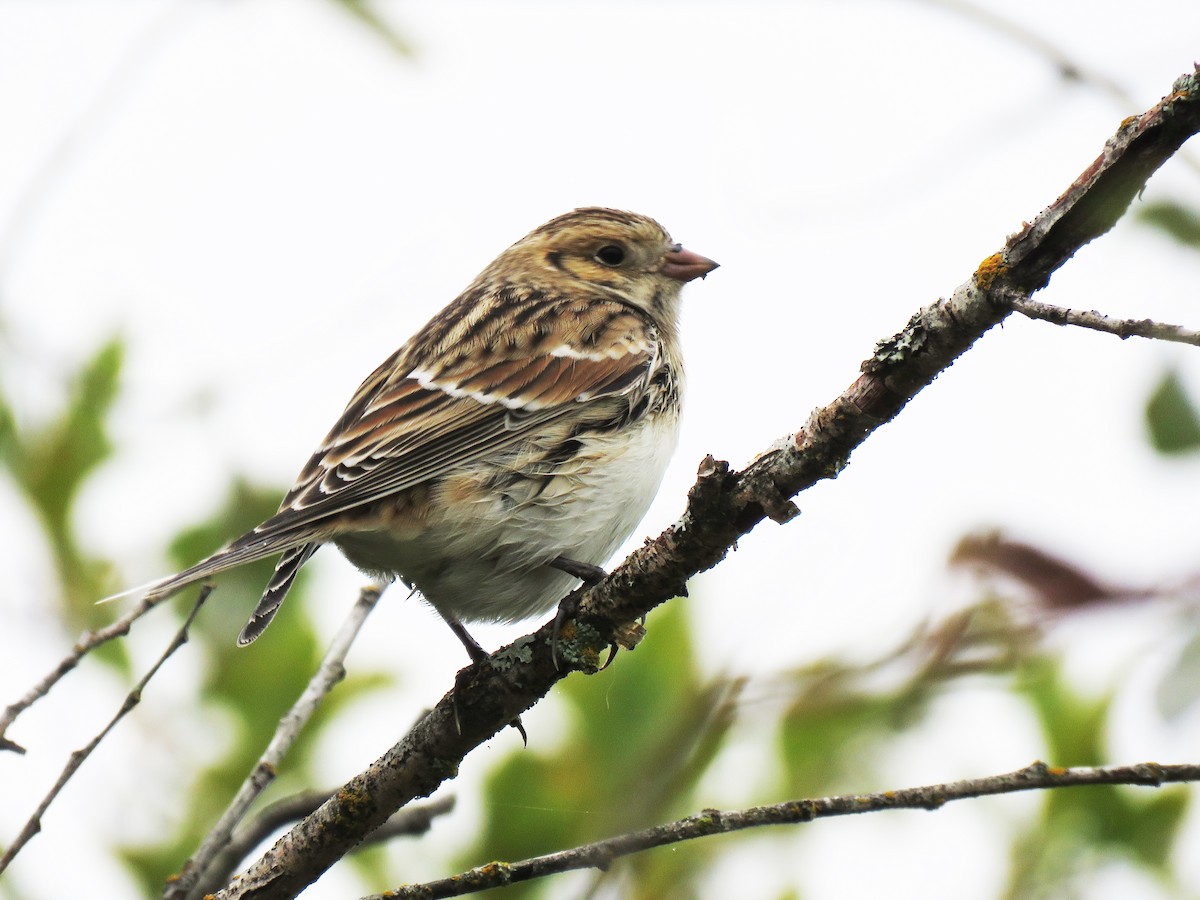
(644,734)
(1171,418)
(1180,222)
(254,687)
(362,10)
(1079,829)
(641,736)
(49,463)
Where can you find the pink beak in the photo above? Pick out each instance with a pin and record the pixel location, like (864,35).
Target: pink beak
(684,265)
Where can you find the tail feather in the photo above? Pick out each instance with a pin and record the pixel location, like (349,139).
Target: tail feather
(277,588)
(246,549)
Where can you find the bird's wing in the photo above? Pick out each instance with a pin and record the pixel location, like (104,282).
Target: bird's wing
(407,425)
(474,394)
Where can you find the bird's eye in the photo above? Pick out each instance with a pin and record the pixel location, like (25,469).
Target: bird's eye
(611,255)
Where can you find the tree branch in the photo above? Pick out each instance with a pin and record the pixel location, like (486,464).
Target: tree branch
(601,854)
(328,674)
(724,505)
(1097,321)
(414,820)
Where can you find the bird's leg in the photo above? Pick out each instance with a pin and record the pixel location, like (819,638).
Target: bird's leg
(478,655)
(474,650)
(587,573)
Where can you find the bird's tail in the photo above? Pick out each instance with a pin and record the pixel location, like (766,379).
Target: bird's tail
(286,571)
(246,549)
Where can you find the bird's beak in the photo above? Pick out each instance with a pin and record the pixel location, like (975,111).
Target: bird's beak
(684,265)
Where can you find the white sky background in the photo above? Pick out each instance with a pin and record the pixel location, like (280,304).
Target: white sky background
(266,201)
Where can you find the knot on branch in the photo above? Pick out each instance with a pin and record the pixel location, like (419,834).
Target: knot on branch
(712,477)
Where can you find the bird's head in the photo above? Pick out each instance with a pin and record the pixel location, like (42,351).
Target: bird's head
(622,255)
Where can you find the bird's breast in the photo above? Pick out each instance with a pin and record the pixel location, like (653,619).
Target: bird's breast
(481,548)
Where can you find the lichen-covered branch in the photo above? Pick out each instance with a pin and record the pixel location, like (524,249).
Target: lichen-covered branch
(600,855)
(724,505)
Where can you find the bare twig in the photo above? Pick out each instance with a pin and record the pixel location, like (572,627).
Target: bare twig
(724,505)
(34,825)
(88,641)
(1070,68)
(794,812)
(411,821)
(329,673)
(1097,321)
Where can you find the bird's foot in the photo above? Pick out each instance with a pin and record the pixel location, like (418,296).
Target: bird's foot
(585,572)
(478,655)
(568,609)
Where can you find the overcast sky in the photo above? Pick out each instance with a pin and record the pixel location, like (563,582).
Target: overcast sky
(265,200)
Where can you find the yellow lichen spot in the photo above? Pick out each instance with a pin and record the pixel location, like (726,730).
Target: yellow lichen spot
(989,270)
(1125,123)
(354,802)
(1055,771)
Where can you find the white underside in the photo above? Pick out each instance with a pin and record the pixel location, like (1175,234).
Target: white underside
(486,560)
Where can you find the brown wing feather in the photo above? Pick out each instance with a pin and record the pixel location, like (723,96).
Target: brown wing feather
(408,424)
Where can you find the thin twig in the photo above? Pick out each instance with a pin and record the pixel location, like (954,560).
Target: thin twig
(1097,321)
(601,854)
(34,825)
(1070,68)
(88,641)
(328,674)
(410,821)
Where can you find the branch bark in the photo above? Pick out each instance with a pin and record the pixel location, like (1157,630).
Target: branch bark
(415,820)
(601,854)
(1098,321)
(724,505)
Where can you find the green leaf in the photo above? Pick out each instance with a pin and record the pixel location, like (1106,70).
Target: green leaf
(50,465)
(60,458)
(1171,417)
(1174,219)
(1080,830)
(8,433)
(362,11)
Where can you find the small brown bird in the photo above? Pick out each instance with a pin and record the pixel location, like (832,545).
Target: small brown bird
(512,444)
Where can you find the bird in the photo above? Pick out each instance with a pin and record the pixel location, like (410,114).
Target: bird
(504,452)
